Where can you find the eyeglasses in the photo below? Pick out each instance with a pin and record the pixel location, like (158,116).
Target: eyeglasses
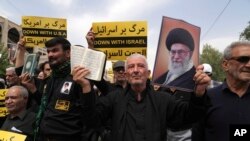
(179,52)
(241,59)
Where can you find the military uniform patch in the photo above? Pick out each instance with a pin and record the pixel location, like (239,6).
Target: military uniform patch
(62,105)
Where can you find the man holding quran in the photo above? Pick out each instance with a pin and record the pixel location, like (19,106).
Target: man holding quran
(60,113)
(138,112)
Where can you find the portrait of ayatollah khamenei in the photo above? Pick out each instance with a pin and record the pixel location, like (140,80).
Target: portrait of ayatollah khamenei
(177,55)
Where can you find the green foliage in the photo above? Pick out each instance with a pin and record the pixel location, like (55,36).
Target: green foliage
(245,35)
(213,57)
(4,63)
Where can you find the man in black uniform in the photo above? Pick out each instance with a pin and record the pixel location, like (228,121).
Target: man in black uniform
(60,113)
(138,112)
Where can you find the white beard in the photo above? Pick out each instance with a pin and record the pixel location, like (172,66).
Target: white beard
(177,69)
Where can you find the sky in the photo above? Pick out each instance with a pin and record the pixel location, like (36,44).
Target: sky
(81,13)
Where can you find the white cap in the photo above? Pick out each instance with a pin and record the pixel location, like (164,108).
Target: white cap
(207,68)
(2,80)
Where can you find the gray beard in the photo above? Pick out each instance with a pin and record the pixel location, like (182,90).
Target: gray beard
(177,69)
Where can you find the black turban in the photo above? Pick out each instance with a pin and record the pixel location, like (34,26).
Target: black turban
(180,35)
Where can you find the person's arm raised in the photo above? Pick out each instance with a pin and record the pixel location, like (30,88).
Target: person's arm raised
(79,74)
(20,53)
(202,80)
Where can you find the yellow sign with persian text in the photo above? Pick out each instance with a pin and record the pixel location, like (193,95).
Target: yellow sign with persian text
(3,109)
(116,53)
(38,30)
(10,136)
(121,39)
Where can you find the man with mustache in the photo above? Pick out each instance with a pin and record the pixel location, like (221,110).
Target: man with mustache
(230,100)
(12,78)
(138,112)
(19,120)
(60,114)
(181,70)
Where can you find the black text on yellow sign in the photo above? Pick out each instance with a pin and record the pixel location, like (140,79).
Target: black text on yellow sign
(3,109)
(120,29)
(120,39)
(11,136)
(44,23)
(3,92)
(36,41)
(38,30)
(114,42)
(44,32)
(122,53)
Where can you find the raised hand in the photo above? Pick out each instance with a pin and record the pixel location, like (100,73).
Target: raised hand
(79,74)
(28,82)
(202,80)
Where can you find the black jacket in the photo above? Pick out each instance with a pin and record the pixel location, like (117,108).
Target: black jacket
(162,111)
(63,113)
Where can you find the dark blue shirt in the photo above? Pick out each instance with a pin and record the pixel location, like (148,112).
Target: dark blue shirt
(227,108)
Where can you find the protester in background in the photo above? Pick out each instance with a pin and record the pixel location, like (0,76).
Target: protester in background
(231,100)
(118,70)
(12,78)
(105,87)
(209,71)
(19,119)
(45,70)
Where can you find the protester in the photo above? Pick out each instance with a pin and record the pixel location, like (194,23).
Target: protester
(140,113)
(12,78)
(118,70)
(230,101)
(45,70)
(106,87)
(19,119)
(60,114)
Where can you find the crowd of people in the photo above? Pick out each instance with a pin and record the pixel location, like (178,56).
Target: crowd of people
(60,105)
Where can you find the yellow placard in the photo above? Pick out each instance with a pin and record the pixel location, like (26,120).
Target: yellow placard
(120,39)
(38,30)
(44,23)
(122,53)
(3,111)
(36,41)
(120,29)
(10,136)
(3,93)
